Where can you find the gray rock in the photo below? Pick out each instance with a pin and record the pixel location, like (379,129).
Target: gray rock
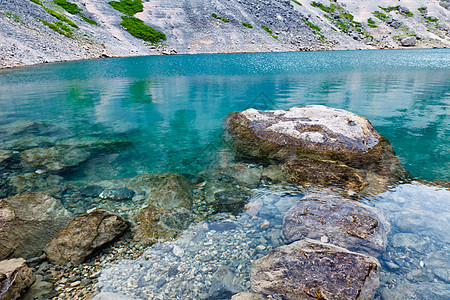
(84,235)
(120,194)
(224,284)
(439,264)
(408,41)
(403,9)
(15,278)
(247,296)
(309,269)
(112,296)
(29,221)
(341,222)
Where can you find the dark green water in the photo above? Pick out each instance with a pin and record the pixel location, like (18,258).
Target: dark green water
(171,108)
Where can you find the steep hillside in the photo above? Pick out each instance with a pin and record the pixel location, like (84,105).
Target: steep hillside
(37,31)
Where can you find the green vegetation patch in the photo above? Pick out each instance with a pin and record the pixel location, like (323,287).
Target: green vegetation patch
(127,7)
(326,9)
(225,20)
(422,10)
(269,31)
(371,23)
(432,19)
(61,17)
(214,15)
(137,28)
(59,27)
(12,16)
(296,2)
(390,8)
(248,25)
(70,7)
(37,2)
(380,15)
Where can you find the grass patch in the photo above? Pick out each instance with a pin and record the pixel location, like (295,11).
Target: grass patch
(269,31)
(225,20)
(214,15)
(70,7)
(127,7)
(422,10)
(61,17)
(248,25)
(90,21)
(37,2)
(390,8)
(137,28)
(327,9)
(296,2)
(311,25)
(59,27)
(380,15)
(432,19)
(13,17)
(371,23)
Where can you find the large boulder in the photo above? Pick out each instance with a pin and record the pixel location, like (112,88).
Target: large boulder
(84,235)
(315,140)
(15,278)
(342,222)
(53,158)
(310,269)
(28,221)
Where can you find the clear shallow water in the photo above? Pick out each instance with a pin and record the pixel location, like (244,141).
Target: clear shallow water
(171,108)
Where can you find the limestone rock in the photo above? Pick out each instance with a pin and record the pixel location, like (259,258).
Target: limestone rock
(28,222)
(313,140)
(248,296)
(166,190)
(344,222)
(310,269)
(84,235)
(53,158)
(408,41)
(15,278)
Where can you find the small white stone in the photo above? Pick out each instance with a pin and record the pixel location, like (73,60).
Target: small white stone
(324,239)
(260,247)
(178,251)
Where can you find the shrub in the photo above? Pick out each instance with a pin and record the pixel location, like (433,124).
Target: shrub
(225,20)
(71,8)
(248,25)
(90,21)
(59,27)
(137,28)
(295,1)
(380,15)
(127,7)
(60,17)
(214,15)
(269,31)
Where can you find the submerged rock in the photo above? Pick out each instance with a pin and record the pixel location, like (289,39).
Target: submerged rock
(317,144)
(84,235)
(166,190)
(15,278)
(53,158)
(28,222)
(232,200)
(341,222)
(309,269)
(119,194)
(224,284)
(157,224)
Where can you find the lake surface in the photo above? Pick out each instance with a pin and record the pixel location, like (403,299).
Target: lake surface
(169,111)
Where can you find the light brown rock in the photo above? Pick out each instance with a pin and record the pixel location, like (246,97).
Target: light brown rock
(15,278)
(84,235)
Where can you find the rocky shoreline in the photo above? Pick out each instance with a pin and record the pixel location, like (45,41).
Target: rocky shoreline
(244,228)
(191,28)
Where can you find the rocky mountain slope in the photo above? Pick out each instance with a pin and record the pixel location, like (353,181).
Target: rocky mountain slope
(39,31)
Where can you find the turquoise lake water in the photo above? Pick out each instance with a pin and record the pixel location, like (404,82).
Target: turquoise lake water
(169,111)
(171,108)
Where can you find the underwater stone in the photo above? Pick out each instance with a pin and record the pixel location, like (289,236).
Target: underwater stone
(53,158)
(231,201)
(120,194)
(310,269)
(165,190)
(15,278)
(84,235)
(346,223)
(29,221)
